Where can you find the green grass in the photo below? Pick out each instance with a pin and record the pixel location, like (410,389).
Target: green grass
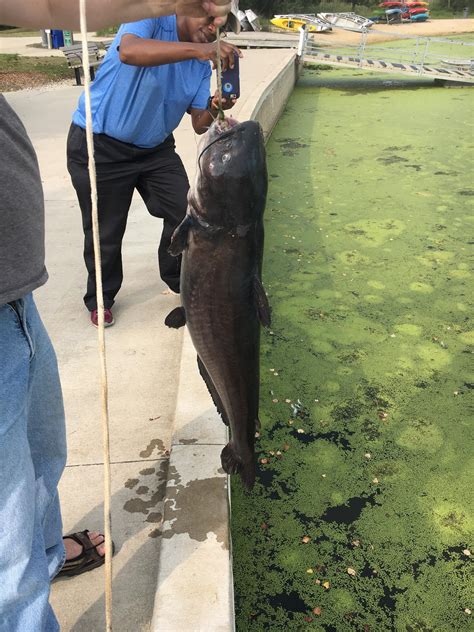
(53,68)
(20,32)
(110,31)
(368,231)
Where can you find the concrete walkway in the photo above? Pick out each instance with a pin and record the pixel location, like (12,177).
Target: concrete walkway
(157,401)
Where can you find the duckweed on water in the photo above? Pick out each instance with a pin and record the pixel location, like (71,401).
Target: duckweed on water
(362,513)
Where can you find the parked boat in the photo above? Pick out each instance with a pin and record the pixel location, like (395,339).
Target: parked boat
(244,23)
(419,17)
(405,6)
(253,20)
(417,10)
(347,21)
(294,21)
(249,20)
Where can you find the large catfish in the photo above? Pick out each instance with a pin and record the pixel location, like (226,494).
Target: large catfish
(223,300)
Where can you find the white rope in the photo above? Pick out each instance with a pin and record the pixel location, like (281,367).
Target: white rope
(101,329)
(219,73)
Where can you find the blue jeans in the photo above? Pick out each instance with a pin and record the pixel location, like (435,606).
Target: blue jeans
(32,459)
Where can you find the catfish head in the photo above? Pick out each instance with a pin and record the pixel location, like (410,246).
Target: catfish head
(231,178)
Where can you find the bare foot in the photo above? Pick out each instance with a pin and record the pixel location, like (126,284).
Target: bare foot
(73,549)
(169,292)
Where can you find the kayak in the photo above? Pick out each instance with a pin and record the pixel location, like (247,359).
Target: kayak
(296,21)
(418,10)
(419,17)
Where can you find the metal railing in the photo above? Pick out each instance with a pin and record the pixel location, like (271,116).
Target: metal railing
(425,56)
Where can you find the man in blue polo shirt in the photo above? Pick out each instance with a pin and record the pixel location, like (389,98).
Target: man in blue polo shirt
(155,71)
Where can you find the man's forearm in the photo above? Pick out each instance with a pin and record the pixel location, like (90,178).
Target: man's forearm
(202,120)
(65,13)
(100,13)
(137,51)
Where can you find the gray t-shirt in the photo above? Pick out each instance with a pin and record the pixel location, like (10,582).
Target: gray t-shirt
(22,268)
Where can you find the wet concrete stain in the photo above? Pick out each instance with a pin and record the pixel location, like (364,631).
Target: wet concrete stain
(130,484)
(155,533)
(138,505)
(154,444)
(155,516)
(192,509)
(147,506)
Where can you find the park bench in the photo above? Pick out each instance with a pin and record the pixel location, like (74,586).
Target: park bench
(74,59)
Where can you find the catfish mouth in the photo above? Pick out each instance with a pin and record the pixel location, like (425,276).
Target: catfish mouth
(219,130)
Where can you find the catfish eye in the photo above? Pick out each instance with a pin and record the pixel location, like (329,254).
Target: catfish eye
(225,157)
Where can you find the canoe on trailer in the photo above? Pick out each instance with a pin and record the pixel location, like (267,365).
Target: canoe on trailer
(294,21)
(346,21)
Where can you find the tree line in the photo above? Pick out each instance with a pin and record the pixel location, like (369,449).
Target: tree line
(268,8)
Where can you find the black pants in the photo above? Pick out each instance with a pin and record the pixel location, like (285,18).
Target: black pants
(157,174)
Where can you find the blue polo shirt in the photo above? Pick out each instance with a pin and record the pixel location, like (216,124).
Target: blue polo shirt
(143,106)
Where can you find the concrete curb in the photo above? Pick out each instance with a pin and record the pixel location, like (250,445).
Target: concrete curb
(195,585)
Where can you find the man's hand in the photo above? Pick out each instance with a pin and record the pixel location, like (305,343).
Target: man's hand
(217,9)
(227,104)
(209,52)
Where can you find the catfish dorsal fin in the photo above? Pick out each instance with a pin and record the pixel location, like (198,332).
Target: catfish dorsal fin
(261,303)
(179,240)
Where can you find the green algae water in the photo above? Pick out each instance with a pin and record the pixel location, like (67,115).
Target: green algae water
(362,514)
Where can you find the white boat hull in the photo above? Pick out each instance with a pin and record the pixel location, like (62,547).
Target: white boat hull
(346,21)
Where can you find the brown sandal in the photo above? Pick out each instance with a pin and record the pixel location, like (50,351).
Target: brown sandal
(88,559)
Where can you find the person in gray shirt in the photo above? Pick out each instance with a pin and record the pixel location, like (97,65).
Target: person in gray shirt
(32,430)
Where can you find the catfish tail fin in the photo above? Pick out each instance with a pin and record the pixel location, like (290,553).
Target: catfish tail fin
(234,464)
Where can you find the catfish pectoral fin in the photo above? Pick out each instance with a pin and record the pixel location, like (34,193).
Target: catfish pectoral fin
(179,240)
(176,318)
(262,304)
(234,464)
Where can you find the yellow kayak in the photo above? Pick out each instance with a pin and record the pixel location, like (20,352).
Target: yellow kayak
(295,22)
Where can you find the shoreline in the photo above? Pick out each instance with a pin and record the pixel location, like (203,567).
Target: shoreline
(386,32)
